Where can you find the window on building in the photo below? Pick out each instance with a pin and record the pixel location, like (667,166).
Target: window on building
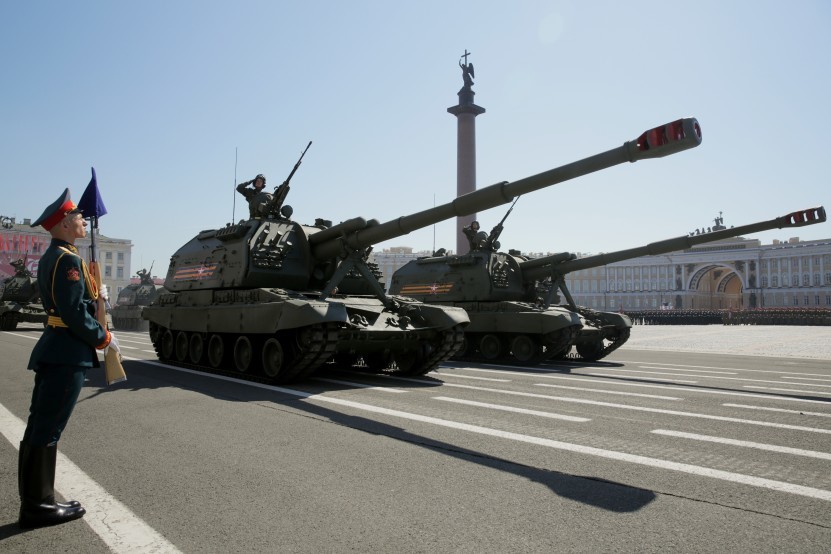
(795,300)
(806,280)
(119,273)
(108,271)
(817,281)
(807,300)
(764,280)
(816,300)
(827,299)
(785,280)
(828,277)
(108,256)
(774,281)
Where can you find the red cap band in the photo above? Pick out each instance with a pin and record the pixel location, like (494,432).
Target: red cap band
(59,214)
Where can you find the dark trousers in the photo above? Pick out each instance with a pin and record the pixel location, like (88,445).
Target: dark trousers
(53,399)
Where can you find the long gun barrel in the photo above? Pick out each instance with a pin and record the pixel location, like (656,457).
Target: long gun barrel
(658,142)
(543,267)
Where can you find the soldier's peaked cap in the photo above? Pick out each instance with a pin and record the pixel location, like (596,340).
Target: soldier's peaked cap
(56,211)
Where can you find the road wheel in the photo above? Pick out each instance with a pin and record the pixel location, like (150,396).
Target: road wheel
(378,361)
(243,353)
(525,348)
(182,346)
(490,346)
(409,360)
(273,357)
(168,345)
(590,351)
(196,348)
(216,351)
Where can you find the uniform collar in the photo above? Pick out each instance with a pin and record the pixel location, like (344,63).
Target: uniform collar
(64,244)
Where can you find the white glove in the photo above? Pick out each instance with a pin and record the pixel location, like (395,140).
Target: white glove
(104,292)
(114,345)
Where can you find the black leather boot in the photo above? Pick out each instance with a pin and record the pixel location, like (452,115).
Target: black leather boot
(22,459)
(37,493)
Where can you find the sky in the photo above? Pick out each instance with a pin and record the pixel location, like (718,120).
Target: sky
(174,102)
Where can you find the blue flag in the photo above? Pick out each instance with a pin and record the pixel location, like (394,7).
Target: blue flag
(90,202)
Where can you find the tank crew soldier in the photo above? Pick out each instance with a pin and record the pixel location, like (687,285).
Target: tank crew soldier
(474,236)
(60,360)
(259,201)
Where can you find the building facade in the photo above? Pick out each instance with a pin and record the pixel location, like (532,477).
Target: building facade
(733,273)
(18,240)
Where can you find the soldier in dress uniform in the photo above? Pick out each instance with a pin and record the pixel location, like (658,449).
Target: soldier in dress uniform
(259,201)
(60,360)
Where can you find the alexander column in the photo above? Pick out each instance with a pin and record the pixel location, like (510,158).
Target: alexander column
(465,112)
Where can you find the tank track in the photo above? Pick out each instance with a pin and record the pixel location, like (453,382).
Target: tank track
(558,346)
(614,344)
(450,342)
(315,345)
(318,344)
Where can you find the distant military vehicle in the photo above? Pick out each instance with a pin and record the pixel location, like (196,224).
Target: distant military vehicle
(126,313)
(20,300)
(513,301)
(286,297)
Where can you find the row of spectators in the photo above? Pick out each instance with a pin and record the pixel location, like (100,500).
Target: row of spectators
(754,316)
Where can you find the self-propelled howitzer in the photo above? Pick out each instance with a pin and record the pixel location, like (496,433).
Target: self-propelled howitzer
(512,301)
(131,301)
(605,331)
(286,297)
(20,299)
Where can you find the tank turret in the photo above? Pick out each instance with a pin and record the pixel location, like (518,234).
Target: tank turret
(512,301)
(20,298)
(286,297)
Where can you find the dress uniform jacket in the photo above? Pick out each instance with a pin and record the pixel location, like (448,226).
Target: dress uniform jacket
(66,289)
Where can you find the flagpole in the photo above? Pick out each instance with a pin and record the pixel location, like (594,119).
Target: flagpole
(92,205)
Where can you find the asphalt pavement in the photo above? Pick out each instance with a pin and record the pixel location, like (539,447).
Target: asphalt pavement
(686,439)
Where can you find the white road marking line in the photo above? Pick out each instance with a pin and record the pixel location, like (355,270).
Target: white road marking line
(747,444)
(803,379)
(657,379)
(729,378)
(616,371)
(715,367)
(645,409)
(685,369)
(358,385)
(618,383)
(472,377)
(580,449)
(118,527)
(783,410)
(787,390)
(512,409)
(608,391)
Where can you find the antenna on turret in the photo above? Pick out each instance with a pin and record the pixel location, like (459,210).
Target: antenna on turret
(234,209)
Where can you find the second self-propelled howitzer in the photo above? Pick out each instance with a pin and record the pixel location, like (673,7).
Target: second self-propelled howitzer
(131,301)
(514,302)
(20,299)
(286,297)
